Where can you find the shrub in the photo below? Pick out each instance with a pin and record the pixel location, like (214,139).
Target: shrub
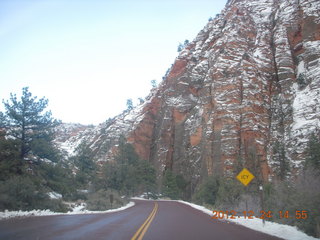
(207,191)
(301,195)
(229,192)
(25,193)
(104,200)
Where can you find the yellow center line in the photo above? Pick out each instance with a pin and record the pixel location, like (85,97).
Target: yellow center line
(144,227)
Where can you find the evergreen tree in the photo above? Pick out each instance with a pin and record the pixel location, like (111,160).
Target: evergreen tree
(83,160)
(9,157)
(279,156)
(313,152)
(128,174)
(27,122)
(207,191)
(141,101)
(170,187)
(147,175)
(126,153)
(153,83)
(180,47)
(129,104)
(2,120)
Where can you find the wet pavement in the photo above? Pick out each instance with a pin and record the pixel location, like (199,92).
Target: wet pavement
(170,220)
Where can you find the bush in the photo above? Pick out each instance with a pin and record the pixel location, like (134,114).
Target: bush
(221,192)
(301,195)
(128,174)
(10,162)
(101,200)
(170,186)
(207,191)
(58,178)
(24,193)
(229,192)
(302,81)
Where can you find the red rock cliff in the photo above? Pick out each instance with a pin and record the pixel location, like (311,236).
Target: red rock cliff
(248,84)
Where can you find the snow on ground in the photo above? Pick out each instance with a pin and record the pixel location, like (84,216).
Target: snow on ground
(54,195)
(271,228)
(79,209)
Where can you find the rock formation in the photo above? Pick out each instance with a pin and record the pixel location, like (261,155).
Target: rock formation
(245,87)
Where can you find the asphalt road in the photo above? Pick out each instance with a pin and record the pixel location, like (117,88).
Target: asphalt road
(146,220)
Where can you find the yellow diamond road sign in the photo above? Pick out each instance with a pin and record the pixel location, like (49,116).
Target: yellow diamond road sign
(245,177)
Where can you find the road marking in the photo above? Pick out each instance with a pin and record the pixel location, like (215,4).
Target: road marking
(144,227)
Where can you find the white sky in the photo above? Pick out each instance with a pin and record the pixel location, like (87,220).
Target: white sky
(89,56)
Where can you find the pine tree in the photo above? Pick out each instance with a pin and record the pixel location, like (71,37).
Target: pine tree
(170,187)
(129,104)
(154,83)
(85,164)
(313,152)
(9,157)
(27,121)
(280,159)
(128,174)
(180,47)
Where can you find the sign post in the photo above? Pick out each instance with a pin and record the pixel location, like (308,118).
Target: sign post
(245,177)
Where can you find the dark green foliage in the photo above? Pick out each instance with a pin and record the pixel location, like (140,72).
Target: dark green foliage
(126,153)
(104,199)
(313,152)
(154,83)
(302,81)
(111,177)
(58,178)
(128,174)
(43,148)
(129,104)
(169,186)
(207,191)
(182,46)
(219,191)
(173,186)
(26,120)
(279,157)
(182,185)
(2,120)
(26,193)
(147,175)
(141,100)
(10,163)
(301,195)
(85,164)
(27,135)
(229,192)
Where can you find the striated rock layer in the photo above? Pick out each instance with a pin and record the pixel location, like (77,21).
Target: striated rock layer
(248,84)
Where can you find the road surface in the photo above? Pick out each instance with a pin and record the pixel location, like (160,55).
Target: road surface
(146,220)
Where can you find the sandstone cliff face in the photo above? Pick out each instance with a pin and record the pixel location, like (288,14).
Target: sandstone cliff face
(248,83)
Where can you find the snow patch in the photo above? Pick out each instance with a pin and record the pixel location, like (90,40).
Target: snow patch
(54,195)
(79,209)
(271,228)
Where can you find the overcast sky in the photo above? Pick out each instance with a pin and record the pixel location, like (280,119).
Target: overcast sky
(88,56)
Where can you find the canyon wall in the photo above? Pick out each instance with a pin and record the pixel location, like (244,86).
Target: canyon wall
(244,93)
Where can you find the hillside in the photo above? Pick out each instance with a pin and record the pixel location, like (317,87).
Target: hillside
(247,85)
